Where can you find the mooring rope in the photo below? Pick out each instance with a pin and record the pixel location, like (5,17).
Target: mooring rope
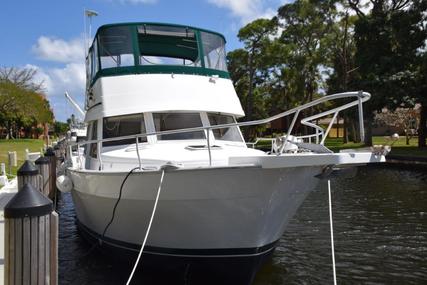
(332,231)
(148,229)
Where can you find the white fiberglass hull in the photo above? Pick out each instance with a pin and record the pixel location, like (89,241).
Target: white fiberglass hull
(225,210)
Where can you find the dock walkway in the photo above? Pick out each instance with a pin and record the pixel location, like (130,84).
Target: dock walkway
(6,193)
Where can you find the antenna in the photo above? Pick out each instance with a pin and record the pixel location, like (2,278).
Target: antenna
(88,14)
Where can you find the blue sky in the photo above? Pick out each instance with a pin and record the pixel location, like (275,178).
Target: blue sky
(48,35)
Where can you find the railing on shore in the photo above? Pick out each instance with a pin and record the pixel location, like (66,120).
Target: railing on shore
(319,135)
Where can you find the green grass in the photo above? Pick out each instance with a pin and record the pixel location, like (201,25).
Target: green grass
(18,145)
(398,148)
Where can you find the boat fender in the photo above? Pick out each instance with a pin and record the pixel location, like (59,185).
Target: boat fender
(64,183)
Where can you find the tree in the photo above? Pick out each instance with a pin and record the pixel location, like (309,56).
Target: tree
(421,98)
(341,51)
(255,37)
(306,24)
(22,108)
(387,41)
(248,66)
(24,78)
(239,73)
(60,128)
(406,119)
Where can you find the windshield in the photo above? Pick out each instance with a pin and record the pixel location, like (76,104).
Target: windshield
(226,134)
(214,51)
(148,45)
(174,121)
(167,45)
(115,47)
(123,126)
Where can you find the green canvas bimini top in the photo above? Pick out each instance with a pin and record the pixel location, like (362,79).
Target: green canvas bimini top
(146,47)
(157,24)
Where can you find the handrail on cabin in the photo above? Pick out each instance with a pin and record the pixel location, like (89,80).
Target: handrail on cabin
(360,95)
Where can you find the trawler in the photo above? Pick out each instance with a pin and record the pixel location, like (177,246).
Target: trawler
(162,113)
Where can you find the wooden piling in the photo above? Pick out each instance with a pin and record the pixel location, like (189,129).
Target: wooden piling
(63,148)
(57,151)
(43,165)
(31,239)
(54,237)
(29,173)
(12,160)
(50,154)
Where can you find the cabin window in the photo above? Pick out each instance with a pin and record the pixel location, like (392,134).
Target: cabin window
(123,126)
(214,51)
(115,47)
(226,134)
(174,121)
(167,45)
(92,63)
(88,69)
(94,60)
(93,149)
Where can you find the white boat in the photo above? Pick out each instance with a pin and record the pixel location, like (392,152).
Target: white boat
(159,100)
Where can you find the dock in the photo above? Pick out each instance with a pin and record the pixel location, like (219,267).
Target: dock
(6,193)
(29,223)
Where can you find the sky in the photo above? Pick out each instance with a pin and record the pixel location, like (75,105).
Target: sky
(48,35)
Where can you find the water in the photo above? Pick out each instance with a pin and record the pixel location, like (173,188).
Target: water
(380,229)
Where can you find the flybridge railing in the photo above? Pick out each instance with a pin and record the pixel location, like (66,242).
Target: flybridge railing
(360,96)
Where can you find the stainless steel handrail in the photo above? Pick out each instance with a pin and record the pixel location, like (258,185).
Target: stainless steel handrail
(360,95)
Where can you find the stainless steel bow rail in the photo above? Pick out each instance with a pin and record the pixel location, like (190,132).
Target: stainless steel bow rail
(360,96)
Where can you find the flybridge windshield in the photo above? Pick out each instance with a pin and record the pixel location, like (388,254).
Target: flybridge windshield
(115,47)
(167,45)
(145,46)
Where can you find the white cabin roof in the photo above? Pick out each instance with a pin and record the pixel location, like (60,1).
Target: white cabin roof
(140,93)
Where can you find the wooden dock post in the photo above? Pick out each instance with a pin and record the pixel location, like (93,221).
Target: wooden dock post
(31,244)
(50,154)
(12,160)
(57,151)
(63,148)
(29,173)
(43,165)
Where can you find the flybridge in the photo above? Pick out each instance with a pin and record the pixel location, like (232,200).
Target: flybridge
(137,48)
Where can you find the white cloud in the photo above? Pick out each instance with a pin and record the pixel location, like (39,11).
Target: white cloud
(69,75)
(40,77)
(71,78)
(246,10)
(59,50)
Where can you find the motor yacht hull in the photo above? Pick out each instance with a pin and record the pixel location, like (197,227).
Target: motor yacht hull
(202,213)
(198,209)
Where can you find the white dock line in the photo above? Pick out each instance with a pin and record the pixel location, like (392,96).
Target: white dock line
(148,229)
(332,231)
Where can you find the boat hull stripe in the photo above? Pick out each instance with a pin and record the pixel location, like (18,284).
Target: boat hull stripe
(220,252)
